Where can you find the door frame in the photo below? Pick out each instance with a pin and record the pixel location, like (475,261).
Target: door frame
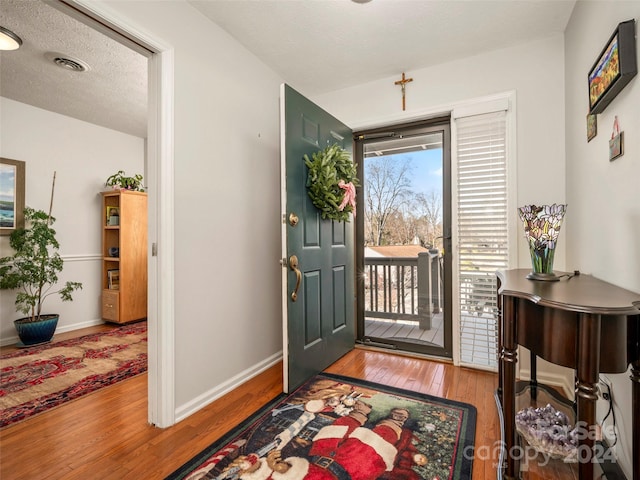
(284,263)
(470,106)
(159,165)
(435,122)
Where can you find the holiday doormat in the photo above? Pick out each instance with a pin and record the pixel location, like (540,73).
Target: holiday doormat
(336,427)
(38,378)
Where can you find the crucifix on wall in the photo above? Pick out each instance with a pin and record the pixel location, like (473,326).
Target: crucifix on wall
(402,84)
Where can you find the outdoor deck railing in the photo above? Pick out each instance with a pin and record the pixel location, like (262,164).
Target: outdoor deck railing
(407,288)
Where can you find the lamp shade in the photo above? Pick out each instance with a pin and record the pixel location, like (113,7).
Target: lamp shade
(541,229)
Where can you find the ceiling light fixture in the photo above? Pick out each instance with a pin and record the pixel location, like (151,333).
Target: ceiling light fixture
(9,40)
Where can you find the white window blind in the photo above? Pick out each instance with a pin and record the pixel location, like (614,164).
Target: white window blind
(481,231)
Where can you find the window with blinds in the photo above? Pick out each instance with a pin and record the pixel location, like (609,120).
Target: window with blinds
(481,231)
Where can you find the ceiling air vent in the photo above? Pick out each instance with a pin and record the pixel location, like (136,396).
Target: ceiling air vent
(67,62)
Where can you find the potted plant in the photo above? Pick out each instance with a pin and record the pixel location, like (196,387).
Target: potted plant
(33,270)
(120,181)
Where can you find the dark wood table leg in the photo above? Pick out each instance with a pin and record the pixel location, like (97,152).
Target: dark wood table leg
(635,402)
(509,359)
(533,381)
(588,362)
(500,317)
(634,349)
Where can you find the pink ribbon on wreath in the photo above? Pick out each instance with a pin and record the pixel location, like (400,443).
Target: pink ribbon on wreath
(349,196)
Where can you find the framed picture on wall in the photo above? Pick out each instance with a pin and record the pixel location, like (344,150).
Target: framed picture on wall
(592,126)
(12,179)
(615,67)
(616,146)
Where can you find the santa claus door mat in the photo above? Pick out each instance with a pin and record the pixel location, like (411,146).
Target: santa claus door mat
(336,427)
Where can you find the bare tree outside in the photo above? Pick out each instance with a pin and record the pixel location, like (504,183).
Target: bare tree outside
(395,214)
(429,209)
(403,226)
(387,188)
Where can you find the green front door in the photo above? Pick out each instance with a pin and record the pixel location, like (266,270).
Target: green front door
(319,325)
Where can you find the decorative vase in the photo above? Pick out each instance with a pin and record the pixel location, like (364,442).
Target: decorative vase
(34,333)
(541,229)
(542,260)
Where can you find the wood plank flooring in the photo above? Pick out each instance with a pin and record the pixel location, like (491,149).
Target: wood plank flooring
(405,329)
(105,435)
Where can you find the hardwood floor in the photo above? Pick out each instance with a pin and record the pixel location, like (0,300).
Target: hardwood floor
(105,435)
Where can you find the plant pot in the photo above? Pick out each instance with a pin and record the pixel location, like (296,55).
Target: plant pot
(33,333)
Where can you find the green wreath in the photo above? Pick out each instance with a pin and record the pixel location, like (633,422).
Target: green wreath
(331,183)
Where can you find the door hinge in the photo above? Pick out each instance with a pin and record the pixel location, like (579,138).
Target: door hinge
(154,249)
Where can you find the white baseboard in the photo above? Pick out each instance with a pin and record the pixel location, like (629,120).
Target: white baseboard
(206,398)
(78,326)
(555,380)
(67,328)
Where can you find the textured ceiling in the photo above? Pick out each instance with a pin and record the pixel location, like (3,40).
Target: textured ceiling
(315,45)
(323,45)
(112,93)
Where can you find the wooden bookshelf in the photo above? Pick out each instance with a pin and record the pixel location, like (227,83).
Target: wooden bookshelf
(124,256)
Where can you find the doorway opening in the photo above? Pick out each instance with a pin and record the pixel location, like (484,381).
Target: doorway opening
(159,181)
(403,237)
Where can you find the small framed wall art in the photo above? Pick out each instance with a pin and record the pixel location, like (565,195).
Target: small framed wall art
(12,179)
(592,126)
(615,67)
(616,144)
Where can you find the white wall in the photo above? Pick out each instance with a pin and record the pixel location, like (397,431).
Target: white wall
(533,70)
(83,155)
(603,224)
(227,200)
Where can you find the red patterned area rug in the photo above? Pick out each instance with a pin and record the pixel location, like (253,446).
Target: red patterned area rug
(340,428)
(38,378)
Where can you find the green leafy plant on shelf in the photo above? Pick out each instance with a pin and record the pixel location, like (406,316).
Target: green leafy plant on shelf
(120,181)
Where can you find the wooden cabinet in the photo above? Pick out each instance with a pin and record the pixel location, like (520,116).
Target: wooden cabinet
(124,256)
(579,322)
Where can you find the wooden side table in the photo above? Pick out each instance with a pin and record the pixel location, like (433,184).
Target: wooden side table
(579,322)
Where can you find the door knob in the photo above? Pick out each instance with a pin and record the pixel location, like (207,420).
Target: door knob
(293,265)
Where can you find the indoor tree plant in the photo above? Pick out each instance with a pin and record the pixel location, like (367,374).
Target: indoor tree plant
(33,271)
